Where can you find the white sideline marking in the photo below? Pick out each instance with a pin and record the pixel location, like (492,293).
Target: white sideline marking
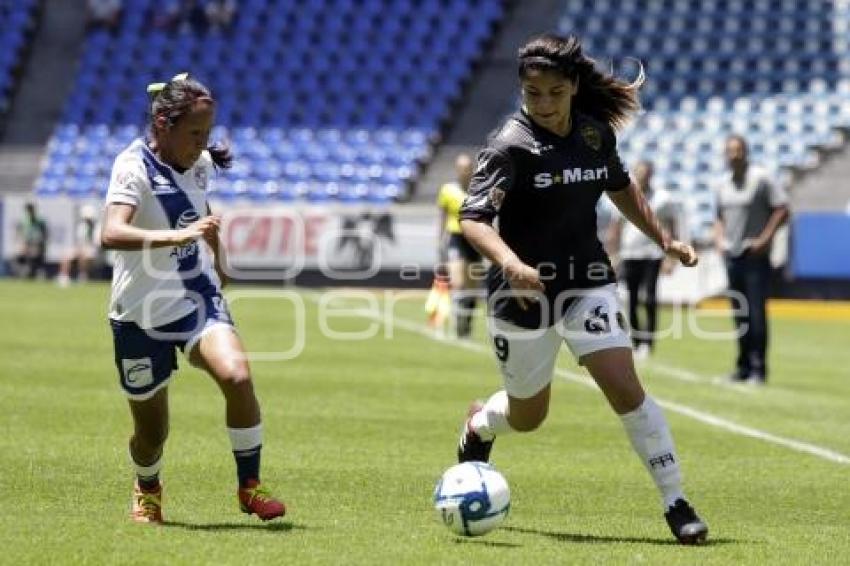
(797,445)
(674,372)
(691,377)
(697,415)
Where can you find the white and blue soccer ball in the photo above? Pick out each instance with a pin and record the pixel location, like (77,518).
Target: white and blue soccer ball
(472,498)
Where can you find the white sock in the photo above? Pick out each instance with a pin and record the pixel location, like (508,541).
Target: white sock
(651,439)
(146,472)
(492,419)
(242,439)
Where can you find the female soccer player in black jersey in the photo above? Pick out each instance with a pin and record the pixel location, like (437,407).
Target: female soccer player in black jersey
(541,175)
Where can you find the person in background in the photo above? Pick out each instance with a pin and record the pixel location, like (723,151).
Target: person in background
(181,16)
(104,13)
(641,260)
(750,208)
(32,236)
(461,258)
(220,14)
(83,251)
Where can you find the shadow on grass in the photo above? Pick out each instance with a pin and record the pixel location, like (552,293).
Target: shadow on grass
(491,543)
(601,539)
(275,527)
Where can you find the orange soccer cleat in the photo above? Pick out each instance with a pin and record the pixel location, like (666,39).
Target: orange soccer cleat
(147,505)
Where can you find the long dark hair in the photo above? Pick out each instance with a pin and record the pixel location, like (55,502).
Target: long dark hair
(175,98)
(600,95)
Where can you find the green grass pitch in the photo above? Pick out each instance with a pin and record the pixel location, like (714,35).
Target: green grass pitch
(357,432)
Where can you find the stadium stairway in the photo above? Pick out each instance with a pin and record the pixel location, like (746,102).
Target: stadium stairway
(487,99)
(46,81)
(826,188)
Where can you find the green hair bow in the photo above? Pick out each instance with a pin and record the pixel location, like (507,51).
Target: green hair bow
(155,88)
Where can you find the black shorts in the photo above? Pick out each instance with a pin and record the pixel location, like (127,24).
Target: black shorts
(459,248)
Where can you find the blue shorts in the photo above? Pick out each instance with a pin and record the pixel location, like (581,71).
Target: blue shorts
(145,358)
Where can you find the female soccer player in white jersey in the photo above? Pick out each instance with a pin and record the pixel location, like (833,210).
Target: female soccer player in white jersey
(541,174)
(166,291)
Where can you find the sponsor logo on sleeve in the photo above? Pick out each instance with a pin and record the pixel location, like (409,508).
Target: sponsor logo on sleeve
(497,197)
(125,180)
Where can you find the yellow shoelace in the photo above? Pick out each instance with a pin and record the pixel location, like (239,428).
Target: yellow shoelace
(149,502)
(259,492)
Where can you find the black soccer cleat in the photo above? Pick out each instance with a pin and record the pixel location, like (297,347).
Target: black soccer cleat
(470,447)
(684,523)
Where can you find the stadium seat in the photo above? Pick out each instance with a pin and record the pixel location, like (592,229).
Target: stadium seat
(283,76)
(775,71)
(17,22)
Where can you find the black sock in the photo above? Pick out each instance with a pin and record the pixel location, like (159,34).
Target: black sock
(248,465)
(149,483)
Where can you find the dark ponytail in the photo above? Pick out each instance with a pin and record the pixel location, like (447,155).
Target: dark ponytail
(221,155)
(600,95)
(175,98)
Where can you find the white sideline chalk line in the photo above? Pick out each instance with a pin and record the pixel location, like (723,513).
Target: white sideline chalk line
(697,415)
(688,376)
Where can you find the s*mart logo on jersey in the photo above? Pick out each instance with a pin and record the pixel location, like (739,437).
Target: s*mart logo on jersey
(569,176)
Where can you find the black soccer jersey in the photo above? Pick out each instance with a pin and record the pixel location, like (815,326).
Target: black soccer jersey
(543,188)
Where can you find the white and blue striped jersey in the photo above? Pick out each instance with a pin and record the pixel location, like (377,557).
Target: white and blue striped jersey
(152,287)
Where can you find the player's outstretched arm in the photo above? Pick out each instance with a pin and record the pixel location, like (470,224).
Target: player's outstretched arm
(119,234)
(213,240)
(633,205)
(486,240)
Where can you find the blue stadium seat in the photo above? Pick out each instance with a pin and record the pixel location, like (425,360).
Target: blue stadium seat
(17,22)
(777,71)
(279,77)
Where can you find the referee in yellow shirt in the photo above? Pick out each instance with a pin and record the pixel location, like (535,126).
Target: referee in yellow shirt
(460,257)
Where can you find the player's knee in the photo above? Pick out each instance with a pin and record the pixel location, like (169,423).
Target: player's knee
(528,422)
(236,376)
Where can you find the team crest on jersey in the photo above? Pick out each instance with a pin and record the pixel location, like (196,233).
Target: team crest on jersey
(591,137)
(201,178)
(497,197)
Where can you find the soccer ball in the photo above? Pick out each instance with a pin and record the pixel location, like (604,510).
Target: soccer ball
(472,498)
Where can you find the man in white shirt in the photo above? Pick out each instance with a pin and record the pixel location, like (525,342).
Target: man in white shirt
(750,208)
(641,259)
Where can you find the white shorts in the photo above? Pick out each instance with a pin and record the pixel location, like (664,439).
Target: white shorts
(526,358)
